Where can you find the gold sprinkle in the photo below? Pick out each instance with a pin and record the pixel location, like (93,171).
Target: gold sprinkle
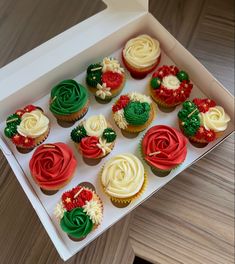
(48,146)
(192,112)
(78,192)
(154,153)
(96,69)
(53,99)
(12,120)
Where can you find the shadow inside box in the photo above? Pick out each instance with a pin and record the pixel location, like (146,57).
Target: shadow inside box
(138,260)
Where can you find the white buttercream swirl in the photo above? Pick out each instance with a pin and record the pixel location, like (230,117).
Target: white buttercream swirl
(95,125)
(59,210)
(123,176)
(142,51)
(139,97)
(171,82)
(215,119)
(120,120)
(103,91)
(94,210)
(33,124)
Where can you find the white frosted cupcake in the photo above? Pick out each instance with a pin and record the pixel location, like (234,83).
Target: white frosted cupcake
(141,55)
(123,179)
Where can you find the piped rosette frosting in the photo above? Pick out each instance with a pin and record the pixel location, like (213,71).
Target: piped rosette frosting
(164,147)
(202,120)
(27,127)
(170,86)
(142,51)
(52,165)
(79,211)
(94,137)
(132,109)
(105,78)
(123,177)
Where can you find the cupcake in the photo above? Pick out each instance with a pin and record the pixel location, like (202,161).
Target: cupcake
(80,211)
(141,55)
(69,101)
(27,128)
(52,166)
(202,121)
(123,179)
(94,138)
(106,79)
(163,148)
(133,112)
(169,86)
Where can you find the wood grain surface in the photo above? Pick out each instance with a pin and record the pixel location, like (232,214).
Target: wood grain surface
(191,220)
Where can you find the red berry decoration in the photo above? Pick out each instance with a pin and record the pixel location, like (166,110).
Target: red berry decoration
(77,197)
(112,79)
(200,133)
(17,139)
(27,142)
(20,112)
(210,135)
(30,108)
(121,103)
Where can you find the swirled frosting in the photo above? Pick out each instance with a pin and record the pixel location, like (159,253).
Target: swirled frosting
(68,97)
(164,147)
(171,82)
(76,223)
(95,125)
(215,119)
(89,147)
(52,165)
(142,51)
(137,113)
(123,176)
(33,124)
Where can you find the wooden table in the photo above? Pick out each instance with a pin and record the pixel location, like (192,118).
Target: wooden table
(191,220)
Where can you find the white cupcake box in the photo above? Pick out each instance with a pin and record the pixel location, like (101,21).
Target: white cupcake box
(28,80)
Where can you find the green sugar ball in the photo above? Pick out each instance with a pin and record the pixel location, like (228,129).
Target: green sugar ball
(155,83)
(182,76)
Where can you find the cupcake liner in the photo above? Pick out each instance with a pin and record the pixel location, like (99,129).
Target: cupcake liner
(140,73)
(74,116)
(128,199)
(137,129)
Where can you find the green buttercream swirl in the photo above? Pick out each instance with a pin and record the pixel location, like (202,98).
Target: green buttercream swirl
(68,97)
(76,223)
(137,113)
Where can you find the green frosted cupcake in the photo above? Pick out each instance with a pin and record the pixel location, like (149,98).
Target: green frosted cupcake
(69,101)
(80,211)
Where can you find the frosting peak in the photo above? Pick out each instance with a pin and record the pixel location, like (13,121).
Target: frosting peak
(142,51)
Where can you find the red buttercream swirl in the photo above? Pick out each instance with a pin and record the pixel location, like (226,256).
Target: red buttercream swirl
(52,165)
(168,144)
(89,148)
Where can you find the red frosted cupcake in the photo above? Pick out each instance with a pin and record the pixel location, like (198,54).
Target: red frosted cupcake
(52,166)
(163,148)
(141,55)
(170,86)
(94,138)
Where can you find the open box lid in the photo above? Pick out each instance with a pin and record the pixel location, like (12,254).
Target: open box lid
(49,55)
